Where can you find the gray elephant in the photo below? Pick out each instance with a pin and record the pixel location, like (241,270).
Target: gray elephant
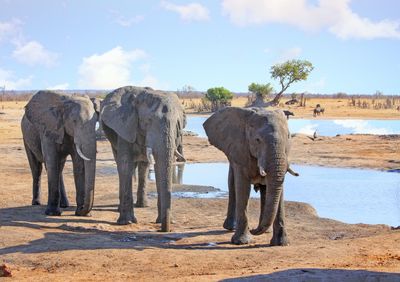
(257,144)
(145,166)
(53,127)
(138,121)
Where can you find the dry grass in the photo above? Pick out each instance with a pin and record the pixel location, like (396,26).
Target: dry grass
(334,108)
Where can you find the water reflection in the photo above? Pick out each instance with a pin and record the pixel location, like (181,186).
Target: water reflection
(323,127)
(348,195)
(177,173)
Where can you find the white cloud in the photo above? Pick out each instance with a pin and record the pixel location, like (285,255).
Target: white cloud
(189,12)
(33,53)
(126,21)
(8,79)
(62,86)
(11,30)
(149,80)
(335,16)
(109,70)
(289,54)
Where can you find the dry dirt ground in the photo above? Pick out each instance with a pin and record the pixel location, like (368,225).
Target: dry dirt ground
(35,247)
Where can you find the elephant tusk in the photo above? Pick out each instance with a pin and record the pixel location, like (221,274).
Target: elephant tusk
(149,155)
(262,172)
(81,154)
(180,157)
(292,172)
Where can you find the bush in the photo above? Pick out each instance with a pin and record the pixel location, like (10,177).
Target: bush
(219,97)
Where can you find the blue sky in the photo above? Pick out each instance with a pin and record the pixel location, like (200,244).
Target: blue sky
(48,44)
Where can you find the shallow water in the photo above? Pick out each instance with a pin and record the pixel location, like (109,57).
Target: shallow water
(348,195)
(323,127)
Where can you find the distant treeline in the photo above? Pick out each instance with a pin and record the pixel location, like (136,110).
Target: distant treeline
(23,95)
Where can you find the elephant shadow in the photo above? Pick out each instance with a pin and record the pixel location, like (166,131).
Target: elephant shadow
(316,274)
(85,233)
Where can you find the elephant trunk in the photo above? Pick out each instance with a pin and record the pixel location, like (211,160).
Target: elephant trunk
(275,176)
(88,152)
(164,155)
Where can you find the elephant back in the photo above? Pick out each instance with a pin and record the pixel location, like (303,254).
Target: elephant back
(129,109)
(44,112)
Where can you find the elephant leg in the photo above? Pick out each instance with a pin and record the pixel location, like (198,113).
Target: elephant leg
(143,171)
(53,165)
(229,222)
(125,170)
(263,196)
(79,178)
(64,203)
(279,237)
(36,170)
(174,175)
(163,155)
(180,167)
(114,151)
(242,193)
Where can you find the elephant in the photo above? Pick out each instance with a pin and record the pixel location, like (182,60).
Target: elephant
(256,143)
(54,126)
(138,121)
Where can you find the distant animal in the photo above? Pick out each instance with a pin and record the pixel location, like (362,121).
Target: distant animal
(53,127)
(318,110)
(288,113)
(257,144)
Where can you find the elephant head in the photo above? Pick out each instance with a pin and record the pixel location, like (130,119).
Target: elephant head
(257,141)
(60,119)
(148,119)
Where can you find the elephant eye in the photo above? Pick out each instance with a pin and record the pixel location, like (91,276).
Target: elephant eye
(258,140)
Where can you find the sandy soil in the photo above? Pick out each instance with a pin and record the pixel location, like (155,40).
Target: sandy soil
(334,108)
(35,247)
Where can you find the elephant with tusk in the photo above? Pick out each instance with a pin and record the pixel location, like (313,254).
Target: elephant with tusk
(256,143)
(53,127)
(138,122)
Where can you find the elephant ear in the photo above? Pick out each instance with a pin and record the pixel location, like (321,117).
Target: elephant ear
(226,130)
(119,113)
(45,111)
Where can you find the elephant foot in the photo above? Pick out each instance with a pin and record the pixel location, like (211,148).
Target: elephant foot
(51,211)
(125,220)
(279,241)
(158,220)
(81,212)
(64,203)
(241,239)
(229,224)
(141,204)
(36,202)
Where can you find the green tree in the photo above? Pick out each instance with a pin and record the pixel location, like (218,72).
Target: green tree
(219,97)
(261,91)
(289,72)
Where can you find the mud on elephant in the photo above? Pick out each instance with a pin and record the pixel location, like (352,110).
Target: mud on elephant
(53,127)
(136,121)
(257,144)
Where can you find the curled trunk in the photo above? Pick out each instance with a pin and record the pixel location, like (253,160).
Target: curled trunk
(275,176)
